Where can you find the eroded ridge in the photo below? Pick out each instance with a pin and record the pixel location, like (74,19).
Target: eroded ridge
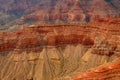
(43,35)
(104,35)
(59,52)
(109,71)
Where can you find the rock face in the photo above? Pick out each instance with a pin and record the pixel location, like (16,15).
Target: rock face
(75,11)
(60,52)
(110,71)
(26,12)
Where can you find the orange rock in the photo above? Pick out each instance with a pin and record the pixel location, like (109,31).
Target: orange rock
(101,72)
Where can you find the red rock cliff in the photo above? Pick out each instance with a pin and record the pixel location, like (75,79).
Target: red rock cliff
(62,51)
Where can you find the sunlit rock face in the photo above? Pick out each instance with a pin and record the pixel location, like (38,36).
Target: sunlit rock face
(110,71)
(62,51)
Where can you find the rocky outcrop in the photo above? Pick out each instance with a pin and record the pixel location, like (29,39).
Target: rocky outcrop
(61,51)
(110,71)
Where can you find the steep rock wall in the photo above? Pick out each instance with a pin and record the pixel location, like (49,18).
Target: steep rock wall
(55,52)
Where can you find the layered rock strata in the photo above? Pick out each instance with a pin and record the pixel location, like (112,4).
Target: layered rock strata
(17,13)
(110,71)
(60,52)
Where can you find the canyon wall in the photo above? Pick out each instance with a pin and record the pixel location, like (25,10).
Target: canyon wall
(62,51)
(17,13)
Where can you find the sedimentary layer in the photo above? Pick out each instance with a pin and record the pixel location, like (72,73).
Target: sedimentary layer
(61,51)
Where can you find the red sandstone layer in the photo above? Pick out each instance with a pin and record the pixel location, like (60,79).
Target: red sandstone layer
(104,72)
(56,35)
